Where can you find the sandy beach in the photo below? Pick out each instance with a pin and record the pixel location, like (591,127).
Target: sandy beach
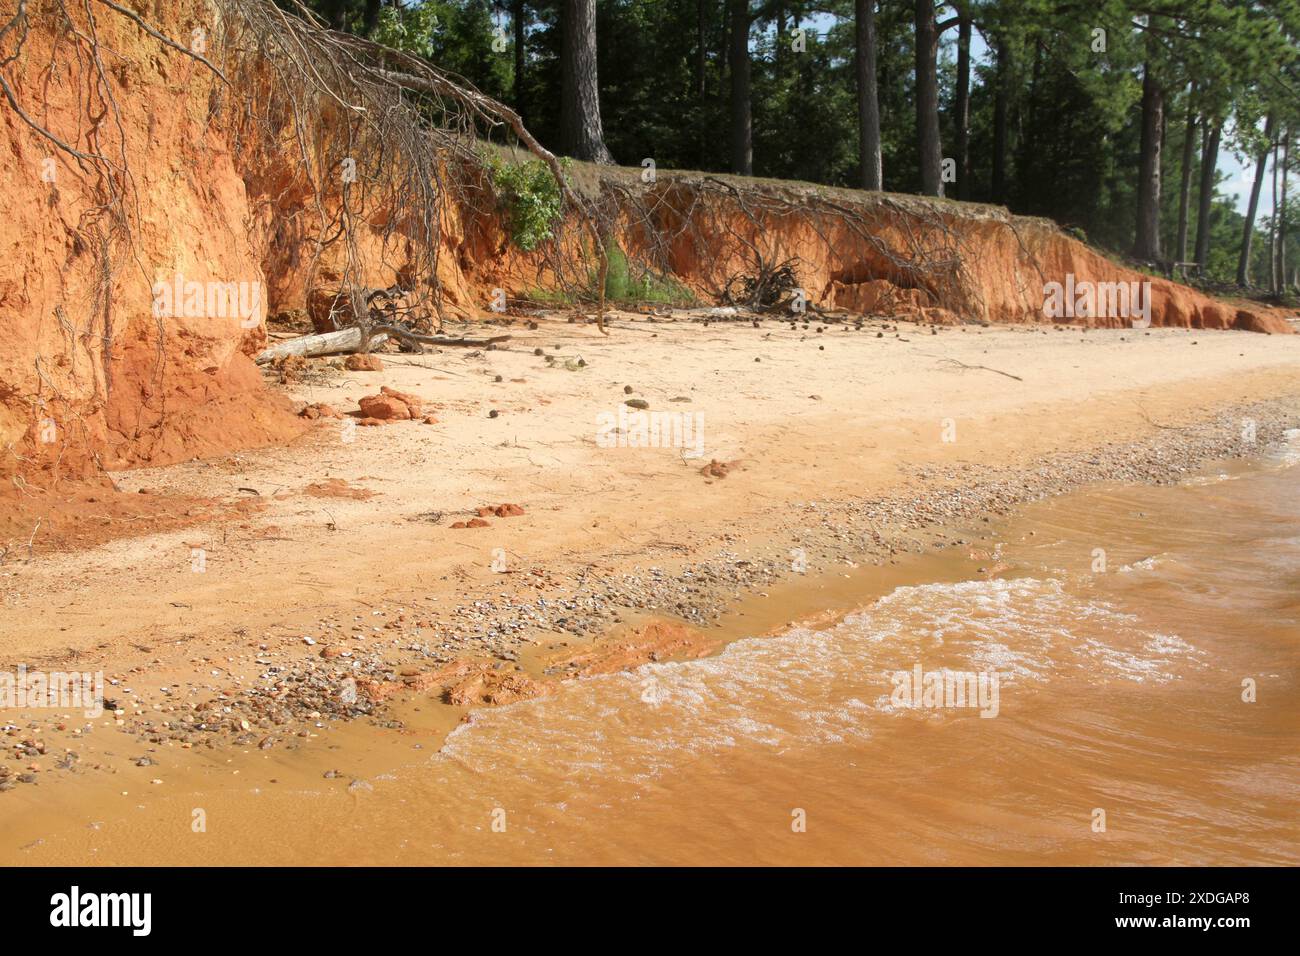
(828,453)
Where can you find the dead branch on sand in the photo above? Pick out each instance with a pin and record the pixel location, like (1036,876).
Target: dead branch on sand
(964,367)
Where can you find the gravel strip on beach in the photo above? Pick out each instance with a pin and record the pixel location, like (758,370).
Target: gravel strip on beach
(291,693)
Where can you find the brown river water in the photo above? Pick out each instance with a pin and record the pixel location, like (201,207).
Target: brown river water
(1118,734)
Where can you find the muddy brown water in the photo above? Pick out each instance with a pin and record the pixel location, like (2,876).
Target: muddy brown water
(1126,627)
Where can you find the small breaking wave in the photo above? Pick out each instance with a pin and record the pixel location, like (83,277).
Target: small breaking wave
(808,687)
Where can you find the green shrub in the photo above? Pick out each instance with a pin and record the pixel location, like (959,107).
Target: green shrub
(621,286)
(553,298)
(531,197)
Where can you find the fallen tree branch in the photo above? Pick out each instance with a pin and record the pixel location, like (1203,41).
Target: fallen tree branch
(350,340)
(964,366)
(407,336)
(326,343)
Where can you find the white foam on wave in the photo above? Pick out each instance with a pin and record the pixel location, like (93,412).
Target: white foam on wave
(807,687)
(1146,564)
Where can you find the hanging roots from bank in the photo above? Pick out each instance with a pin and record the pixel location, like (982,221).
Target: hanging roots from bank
(387,141)
(743,238)
(379,143)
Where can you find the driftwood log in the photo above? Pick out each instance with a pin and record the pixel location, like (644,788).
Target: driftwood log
(326,343)
(354,340)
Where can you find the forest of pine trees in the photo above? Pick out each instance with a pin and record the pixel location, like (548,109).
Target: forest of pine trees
(1111,117)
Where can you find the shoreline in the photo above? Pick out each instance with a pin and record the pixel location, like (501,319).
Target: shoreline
(378,748)
(420,667)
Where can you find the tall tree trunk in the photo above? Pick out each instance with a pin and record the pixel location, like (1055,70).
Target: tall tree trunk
(1274,230)
(870,166)
(778,51)
(927,99)
(962,104)
(742,121)
(580,127)
(1281,215)
(1248,228)
(519,21)
(1185,186)
(1147,245)
(1001,94)
(1209,166)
